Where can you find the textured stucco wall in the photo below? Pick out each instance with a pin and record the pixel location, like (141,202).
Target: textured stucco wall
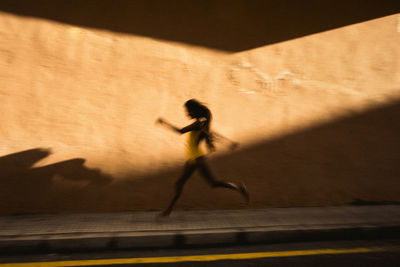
(92,97)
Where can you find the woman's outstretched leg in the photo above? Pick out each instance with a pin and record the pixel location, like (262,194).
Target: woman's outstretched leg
(188,170)
(205,171)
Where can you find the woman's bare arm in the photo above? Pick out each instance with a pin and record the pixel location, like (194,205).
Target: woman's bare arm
(196,126)
(192,127)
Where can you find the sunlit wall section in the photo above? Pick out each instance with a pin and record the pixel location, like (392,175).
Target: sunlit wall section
(314,79)
(97,94)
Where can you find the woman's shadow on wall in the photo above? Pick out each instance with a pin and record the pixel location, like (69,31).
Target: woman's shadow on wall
(23,184)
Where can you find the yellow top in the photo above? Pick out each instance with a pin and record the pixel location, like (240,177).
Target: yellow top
(193,149)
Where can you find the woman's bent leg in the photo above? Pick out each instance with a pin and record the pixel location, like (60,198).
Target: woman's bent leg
(188,170)
(205,171)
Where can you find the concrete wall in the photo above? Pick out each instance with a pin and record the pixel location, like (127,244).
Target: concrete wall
(317,117)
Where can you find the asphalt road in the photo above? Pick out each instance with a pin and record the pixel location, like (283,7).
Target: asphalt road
(350,253)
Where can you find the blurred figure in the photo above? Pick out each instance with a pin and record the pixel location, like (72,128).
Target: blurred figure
(199,131)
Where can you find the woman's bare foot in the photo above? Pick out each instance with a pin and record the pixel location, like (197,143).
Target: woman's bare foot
(165,213)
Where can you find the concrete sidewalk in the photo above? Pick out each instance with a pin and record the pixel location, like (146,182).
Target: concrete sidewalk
(77,232)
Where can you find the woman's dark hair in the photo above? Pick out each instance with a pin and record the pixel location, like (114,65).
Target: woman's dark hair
(198,111)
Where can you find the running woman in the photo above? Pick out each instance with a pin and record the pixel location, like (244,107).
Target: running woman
(198,131)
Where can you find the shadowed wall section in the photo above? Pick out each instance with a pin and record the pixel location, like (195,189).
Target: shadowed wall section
(29,189)
(230,25)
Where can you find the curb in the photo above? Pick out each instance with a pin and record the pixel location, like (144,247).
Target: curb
(74,242)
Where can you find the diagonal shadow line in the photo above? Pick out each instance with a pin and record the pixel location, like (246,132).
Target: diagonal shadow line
(229,25)
(351,160)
